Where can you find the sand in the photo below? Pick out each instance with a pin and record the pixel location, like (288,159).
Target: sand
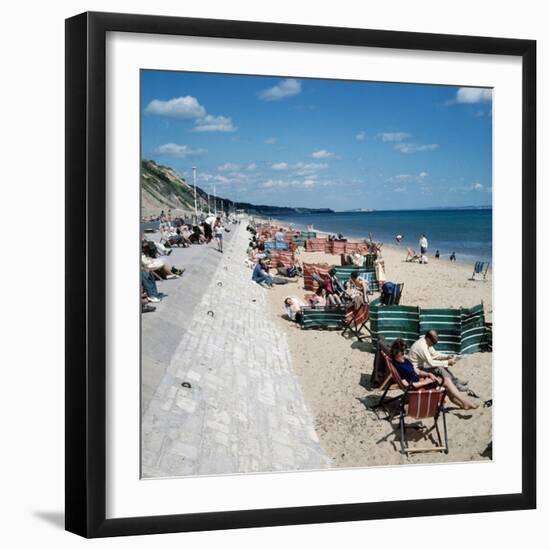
(335,371)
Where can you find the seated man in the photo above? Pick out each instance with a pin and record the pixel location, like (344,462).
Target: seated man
(260,275)
(423,356)
(419,378)
(280,236)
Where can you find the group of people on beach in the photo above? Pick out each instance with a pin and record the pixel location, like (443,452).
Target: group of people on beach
(421,366)
(422,258)
(173,233)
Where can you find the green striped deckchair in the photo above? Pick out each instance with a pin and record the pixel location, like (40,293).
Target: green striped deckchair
(474,334)
(392,322)
(447,323)
(343,272)
(323,317)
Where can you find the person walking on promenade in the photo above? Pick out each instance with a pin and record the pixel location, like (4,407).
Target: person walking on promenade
(218,231)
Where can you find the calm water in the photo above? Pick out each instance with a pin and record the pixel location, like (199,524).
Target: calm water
(466,232)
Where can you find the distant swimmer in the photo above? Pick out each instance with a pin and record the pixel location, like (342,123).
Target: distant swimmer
(437,254)
(398,238)
(453,257)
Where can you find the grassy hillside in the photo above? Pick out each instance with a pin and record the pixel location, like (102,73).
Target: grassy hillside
(163,188)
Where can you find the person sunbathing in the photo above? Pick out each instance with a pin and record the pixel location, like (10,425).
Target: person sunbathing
(293,307)
(419,378)
(160,267)
(412,256)
(356,290)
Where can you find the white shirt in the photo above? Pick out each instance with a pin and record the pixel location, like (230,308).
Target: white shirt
(423,243)
(421,355)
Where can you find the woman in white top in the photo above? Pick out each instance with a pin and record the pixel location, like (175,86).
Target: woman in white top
(218,231)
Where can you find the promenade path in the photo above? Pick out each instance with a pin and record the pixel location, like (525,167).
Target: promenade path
(244,410)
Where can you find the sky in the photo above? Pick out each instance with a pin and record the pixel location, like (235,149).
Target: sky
(300,142)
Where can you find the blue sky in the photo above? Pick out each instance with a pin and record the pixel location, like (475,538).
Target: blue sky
(321,143)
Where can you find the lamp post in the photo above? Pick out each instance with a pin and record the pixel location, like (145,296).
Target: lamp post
(195,189)
(215,201)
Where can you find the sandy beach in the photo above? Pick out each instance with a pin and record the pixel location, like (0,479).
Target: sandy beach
(334,371)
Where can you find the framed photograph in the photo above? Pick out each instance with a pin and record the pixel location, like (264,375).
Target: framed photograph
(300,274)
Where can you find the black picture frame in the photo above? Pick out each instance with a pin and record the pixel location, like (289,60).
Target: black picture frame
(86,281)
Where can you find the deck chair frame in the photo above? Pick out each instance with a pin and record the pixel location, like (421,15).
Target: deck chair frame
(357,322)
(404,399)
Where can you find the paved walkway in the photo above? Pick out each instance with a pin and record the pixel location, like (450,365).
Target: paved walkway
(244,411)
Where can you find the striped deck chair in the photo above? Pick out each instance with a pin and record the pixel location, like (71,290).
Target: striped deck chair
(343,272)
(480,268)
(393,322)
(474,335)
(299,241)
(393,298)
(447,323)
(309,269)
(323,317)
(420,404)
(356,320)
(308,235)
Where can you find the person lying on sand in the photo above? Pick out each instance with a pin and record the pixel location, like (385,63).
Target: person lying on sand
(293,307)
(419,378)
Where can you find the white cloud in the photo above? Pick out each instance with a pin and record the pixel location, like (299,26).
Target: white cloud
(408,178)
(284,183)
(211,123)
(180,151)
(394,136)
(186,107)
(279,166)
(322,154)
(360,136)
(400,189)
(251,167)
(285,88)
(228,166)
(474,187)
(415,147)
(473,95)
(270,141)
(306,168)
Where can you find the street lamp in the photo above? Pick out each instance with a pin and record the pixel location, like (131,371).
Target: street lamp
(195,189)
(215,201)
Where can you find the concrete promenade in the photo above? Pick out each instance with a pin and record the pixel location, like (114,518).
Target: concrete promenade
(244,410)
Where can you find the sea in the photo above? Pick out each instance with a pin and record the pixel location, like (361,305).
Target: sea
(467,232)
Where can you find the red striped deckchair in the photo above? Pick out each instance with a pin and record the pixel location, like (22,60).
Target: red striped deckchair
(419,403)
(309,269)
(356,320)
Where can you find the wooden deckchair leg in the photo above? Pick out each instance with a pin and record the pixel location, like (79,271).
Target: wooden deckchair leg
(404,442)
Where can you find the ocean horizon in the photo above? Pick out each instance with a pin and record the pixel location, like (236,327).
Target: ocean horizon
(467,232)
